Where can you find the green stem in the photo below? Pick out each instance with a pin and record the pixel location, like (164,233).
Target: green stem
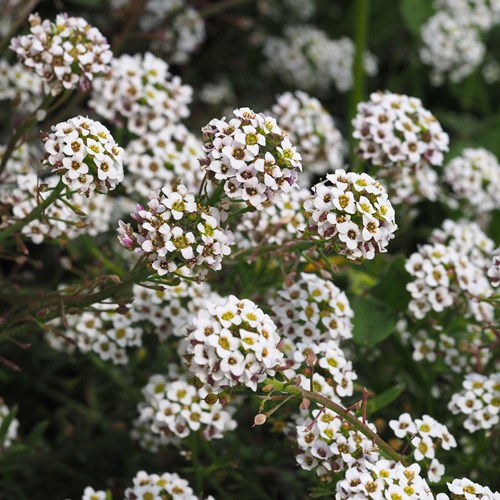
(342,412)
(97,252)
(361,11)
(34,214)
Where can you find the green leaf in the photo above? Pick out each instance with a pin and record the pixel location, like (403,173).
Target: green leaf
(386,398)
(373,321)
(415,13)
(37,432)
(6,423)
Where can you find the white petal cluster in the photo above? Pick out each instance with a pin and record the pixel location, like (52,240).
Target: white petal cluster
(11,431)
(175,409)
(474,177)
(478,401)
(166,485)
(83,152)
(312,310)
(159,160)
(233,343)
(177,235)
(494,268)
(468,490)
(67,53)
(481,13)
(277,222)
(353,212)
(397,129)
(308,59)
(140,94)
(383,479)
(312,129)
(251,155)
(20,85)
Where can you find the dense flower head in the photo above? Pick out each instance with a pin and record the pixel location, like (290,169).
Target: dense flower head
(474,177)
(232,343)
(140,94)
(159,160)
(312,129)
(481,13)
(353,212)
(67,53)
(85,155)
(11,431)
(250,154)
(312,310)
(466,489)
(166,485)
(277,221)
(397,129)
(306,58)
(173,408)
(494,268)
(478,401)
(177,235)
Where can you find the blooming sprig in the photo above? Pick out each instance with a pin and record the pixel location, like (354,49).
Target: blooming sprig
(177,234)
(465,489)
(494,268)
(232,343)
(353,212)
(251,156)
(11,431)
(140,94)
(85,155)
(67,53)
(313,130)
(478,401)
(397,129)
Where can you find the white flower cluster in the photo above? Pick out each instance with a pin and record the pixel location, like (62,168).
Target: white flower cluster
(397,129)
(353,212)
(426,435)
(232,343)
(312,310)
(479,401)
(329,444)
(468,490)
(20,191)
(474,177)
(251,156)
(382,479)
(139,93)
(494,268)
(161,159)
(219,91)
(284,10)
(66,54)
(166,485)
(277,221)
(313,130)
(177,235)
(85,155)
(178,28)
(451,271)
(308,59)
(11,431)
(20,86)
(481,13)
(175,409)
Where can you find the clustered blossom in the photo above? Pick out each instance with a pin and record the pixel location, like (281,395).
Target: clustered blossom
(353,212)
(468,490)
(474,177)
(426,436)
(20,86)
(232,343)
(312,129)
(478,401)
(277,221)
(177,235)
(494,268)
(85,155)
(481,13)
(397,129)
(11,431)
(173,409)
(161,159)
(308,59)
(140,94)
(251,156)
(449,272)
(67,53)
(312,310)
